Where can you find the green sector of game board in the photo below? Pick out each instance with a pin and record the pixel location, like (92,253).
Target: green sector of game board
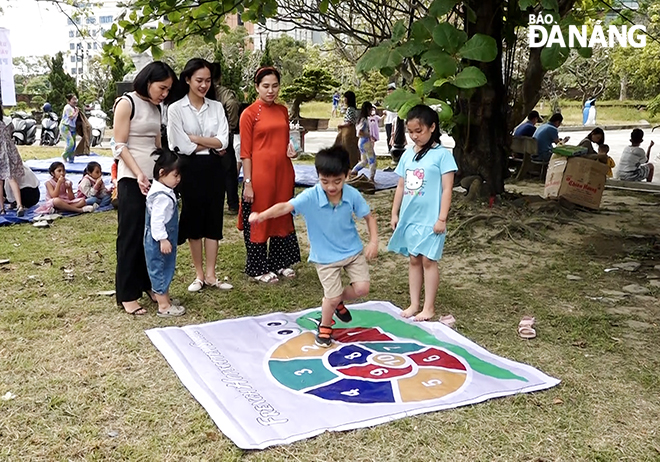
(389,324)
(299,374)
(393,347)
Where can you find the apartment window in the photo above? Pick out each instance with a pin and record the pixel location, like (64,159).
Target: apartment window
(89,46)
(71,33)
(72,46)
(80,70)
(73,59)
(95,45)
(91,20)
(73,70)
(106,19)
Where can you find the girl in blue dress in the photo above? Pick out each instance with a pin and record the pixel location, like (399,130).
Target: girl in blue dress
(420,208)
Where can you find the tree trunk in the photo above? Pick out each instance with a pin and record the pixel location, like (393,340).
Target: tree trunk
(623,89)
(482,140)
(295,109)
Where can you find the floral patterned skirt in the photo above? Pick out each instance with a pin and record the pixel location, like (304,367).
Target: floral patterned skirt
(11,165)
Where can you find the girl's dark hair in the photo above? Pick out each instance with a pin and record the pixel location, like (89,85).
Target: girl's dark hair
(332,161)
(69,96)
(167,162)
(365,110)
(156,71)
(350,99)
(93,165)
(192,66)
(263,72)
(597,131)
(54,166)
(426,117)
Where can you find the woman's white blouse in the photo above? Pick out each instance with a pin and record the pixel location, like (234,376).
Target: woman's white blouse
(183,120)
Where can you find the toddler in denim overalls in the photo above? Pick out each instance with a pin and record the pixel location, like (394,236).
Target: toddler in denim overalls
(161,231)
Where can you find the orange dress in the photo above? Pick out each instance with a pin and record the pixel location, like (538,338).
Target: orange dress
(264,140)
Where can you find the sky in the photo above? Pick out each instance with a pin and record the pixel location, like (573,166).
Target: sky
(36,28)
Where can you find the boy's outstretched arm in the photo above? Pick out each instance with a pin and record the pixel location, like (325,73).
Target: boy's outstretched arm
(275,211)
(371,250)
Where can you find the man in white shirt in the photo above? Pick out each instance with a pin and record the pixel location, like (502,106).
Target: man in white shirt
(390,128)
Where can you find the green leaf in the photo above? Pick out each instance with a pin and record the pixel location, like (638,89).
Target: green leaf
(480,47)
(397,98)
(554,56)
(422,30)
(323,6)
(440,82)
(398,31)
(411,48)
(443,109)
(411,103)
(442,63)
(374,58)
(585,52)
(418,85)
(470,77)
(550,5)
(394,59)
(440,8)
(448,37)
(156,52)
(471,15)
(524,4)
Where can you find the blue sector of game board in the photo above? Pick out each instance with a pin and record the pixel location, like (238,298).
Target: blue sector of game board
(299,374)
(394,347)
(348,356)
(356,391)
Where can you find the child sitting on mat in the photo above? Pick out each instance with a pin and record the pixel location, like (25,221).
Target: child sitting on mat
(335,244)
(91,187)
(161,231)
(59,193)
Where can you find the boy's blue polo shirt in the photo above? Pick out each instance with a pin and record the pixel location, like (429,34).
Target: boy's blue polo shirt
(331,229)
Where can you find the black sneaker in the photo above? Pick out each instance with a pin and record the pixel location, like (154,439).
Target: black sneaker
(324,337)
(342,313)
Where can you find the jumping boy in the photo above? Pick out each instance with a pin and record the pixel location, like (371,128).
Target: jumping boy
(335,244)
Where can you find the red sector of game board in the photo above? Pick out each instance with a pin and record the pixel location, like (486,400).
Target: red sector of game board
(374,372)
(436,358)
(360,334)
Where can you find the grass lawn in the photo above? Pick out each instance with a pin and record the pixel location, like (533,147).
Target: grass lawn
(89,385)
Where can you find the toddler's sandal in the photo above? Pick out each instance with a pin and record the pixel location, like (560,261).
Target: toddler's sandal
(171,312)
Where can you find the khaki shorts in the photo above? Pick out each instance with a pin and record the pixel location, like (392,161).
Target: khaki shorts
(330,275)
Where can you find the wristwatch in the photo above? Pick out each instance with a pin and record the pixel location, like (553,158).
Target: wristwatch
(247,180)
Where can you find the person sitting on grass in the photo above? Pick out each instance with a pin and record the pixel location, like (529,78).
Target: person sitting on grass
(59,192)
(92,188)
(335,244)
(634,164)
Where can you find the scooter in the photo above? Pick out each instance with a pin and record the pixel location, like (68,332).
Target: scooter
(97,120)
(50,129)
(25,128)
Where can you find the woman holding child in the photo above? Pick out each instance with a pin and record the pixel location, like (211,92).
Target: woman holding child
(597,135)
(137,136)
(268,179)
(197,128)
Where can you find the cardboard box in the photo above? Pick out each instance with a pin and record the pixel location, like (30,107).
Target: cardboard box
(580,181)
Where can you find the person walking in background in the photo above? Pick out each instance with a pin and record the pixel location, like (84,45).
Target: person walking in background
(68,126)
(197,129)
(390,128)
(137,136)
(335,104)
(365,143)
(272,246)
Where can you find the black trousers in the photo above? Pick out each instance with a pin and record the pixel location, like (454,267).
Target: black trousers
(388,133)
(230,167)
(280,253)
(131,277)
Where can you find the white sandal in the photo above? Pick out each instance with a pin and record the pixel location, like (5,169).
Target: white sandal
(196,285)
(287,273)
(267,278)
(219,285)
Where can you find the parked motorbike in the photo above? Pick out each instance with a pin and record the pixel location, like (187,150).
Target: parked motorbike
(50,129)
(97,120)
(25,128)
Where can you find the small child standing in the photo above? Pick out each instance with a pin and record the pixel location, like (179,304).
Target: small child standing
(374,129)
(91,187)
(420,208)
(365,143)
(634,164)
(335,244)
(59,193)
(162,230)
